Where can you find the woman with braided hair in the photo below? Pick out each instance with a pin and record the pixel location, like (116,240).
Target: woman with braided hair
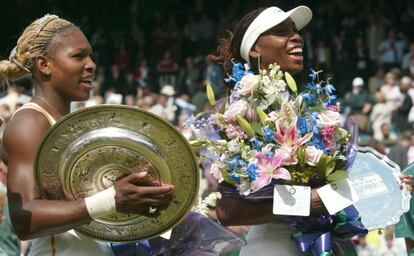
(57,55)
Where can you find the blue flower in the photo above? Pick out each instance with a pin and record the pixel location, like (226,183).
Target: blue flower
(238,72)
(331,100)
(314,75)
(251,171)
(268,134)
(256,144)
(302,124)
(235,177)
(311,86)
(329,89)
(308,98)
(235,163)
(317,142)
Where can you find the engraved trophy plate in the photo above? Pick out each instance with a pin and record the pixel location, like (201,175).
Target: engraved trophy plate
(88,150)
(375,179)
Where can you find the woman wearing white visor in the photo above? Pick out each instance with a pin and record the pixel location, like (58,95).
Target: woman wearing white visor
(262,37)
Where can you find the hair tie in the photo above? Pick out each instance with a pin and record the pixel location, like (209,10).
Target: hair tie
(14,57)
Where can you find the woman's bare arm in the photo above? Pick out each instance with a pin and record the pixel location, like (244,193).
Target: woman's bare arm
(30,215)
(233,212)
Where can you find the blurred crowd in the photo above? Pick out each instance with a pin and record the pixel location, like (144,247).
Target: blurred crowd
(152,55)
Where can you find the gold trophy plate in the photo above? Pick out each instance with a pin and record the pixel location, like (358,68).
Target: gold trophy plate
(88,150)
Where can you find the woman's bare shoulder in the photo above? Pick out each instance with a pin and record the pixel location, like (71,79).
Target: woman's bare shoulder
(27,125)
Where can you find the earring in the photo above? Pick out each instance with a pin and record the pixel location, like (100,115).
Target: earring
(255,62)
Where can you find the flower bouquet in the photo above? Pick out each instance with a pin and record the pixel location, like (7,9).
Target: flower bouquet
(263,134)
(267,133)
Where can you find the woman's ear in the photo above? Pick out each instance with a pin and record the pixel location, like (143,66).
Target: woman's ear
(254,56)
(42,65)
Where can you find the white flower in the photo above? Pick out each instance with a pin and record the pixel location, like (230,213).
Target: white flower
(236,108)
(233,146)
(269,89)
(215,171)
(248,84)
(313,155)
(329,118)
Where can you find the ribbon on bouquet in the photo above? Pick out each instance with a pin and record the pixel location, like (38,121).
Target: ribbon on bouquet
(195,235)
(316,234)
(141,248)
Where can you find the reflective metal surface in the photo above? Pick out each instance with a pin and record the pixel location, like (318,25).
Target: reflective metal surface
(88,150)
(375,179)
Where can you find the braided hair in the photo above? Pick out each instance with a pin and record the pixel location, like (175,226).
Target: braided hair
(36,40)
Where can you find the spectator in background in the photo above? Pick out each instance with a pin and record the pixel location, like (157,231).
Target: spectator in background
(398,152)
(165,106)
(406,59)
(404,105)
(387,136)
(167,70)
(189,78)
(122,58)
(361,58)
(308,50)
(214,75)
(185,107)
(130,88)
(390,246)
(391,50)
(410,71)
(390,89)
(362,248)
(200,98)
(14,96)
(141,73)
(376,81)
(381,113)
(114,83)
(360,104)
(323,56)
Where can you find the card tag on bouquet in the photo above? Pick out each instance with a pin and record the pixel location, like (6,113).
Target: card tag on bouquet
(166,235)
(336,197)
(291,200)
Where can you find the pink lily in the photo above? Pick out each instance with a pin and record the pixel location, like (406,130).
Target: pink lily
(269,168)
(289,140)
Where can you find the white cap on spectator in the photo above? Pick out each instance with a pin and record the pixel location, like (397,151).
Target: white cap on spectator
(168,90)
(358,81)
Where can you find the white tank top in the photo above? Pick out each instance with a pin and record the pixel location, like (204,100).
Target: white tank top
(70,242)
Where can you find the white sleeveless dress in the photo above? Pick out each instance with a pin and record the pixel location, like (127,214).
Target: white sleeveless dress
(68,243)
(268,240)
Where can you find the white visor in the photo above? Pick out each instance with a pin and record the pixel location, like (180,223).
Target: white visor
(269,18)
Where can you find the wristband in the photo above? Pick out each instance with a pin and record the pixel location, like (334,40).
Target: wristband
(102,203)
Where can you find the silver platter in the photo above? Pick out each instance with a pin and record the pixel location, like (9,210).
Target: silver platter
(375,179)
(88,150)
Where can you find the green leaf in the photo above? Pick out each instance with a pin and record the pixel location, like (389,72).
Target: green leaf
(257,128)
(245,126)
(291,82)
(330,167)
(337,176)
(210,95)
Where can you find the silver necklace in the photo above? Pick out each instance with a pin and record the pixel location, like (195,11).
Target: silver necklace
(47,103)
